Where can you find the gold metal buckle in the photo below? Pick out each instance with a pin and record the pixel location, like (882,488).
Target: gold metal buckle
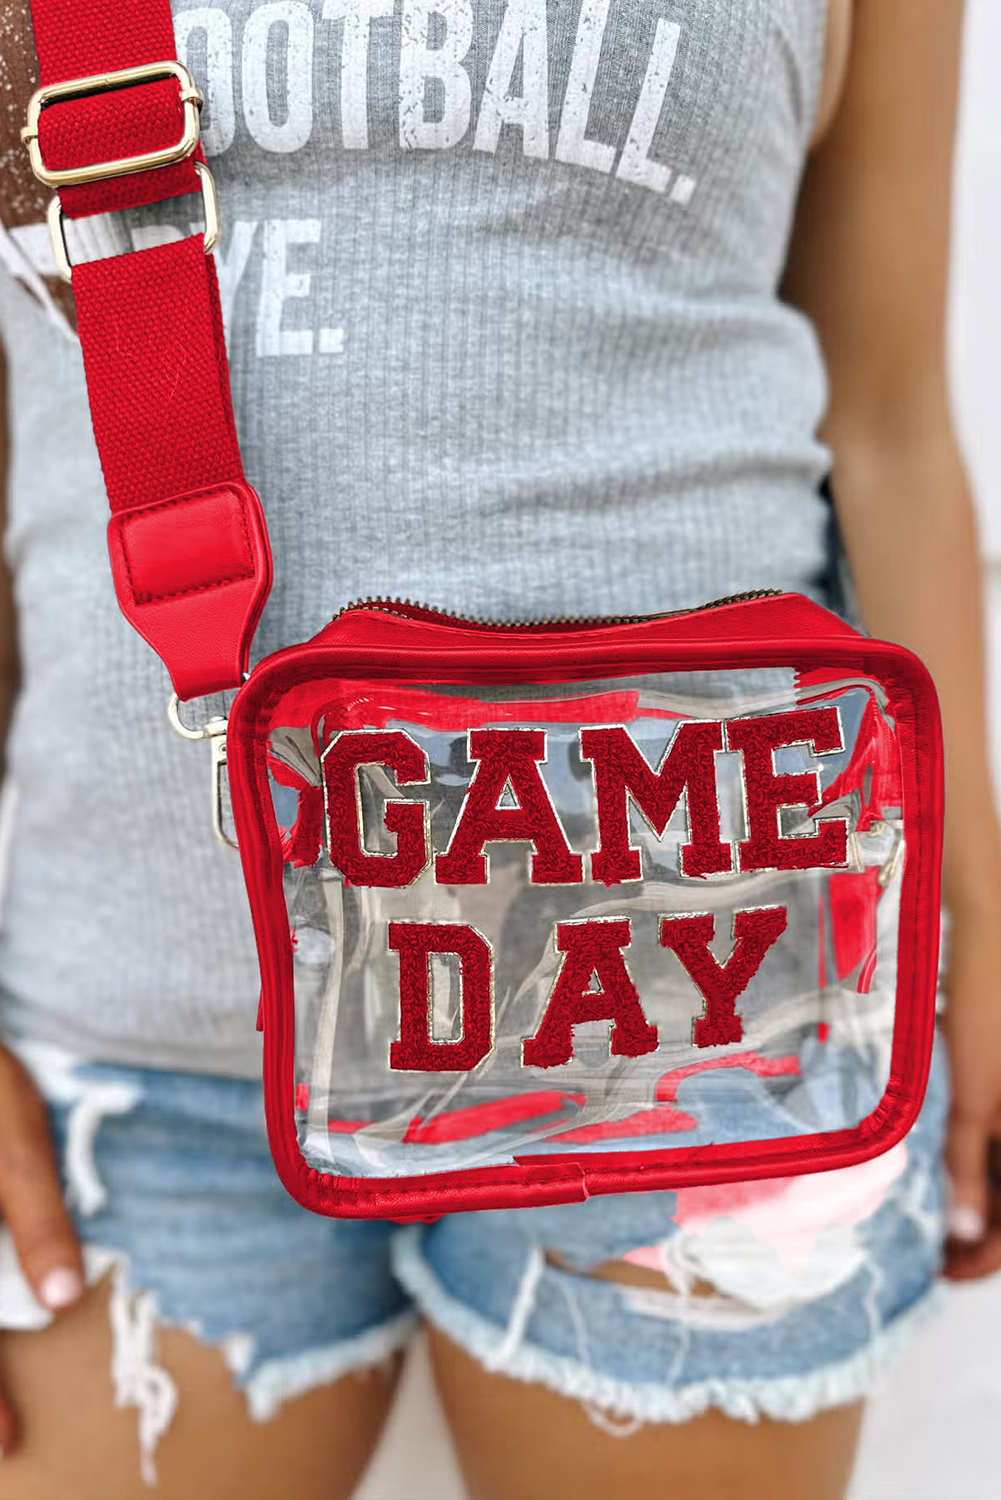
(210,201)
(98,83)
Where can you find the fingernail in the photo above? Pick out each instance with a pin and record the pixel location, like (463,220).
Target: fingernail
(60,1287)
(965,1223)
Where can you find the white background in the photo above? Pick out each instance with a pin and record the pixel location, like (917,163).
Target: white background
(932,1433)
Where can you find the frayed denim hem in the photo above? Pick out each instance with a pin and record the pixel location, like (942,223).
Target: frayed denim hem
(141,1382)
(794,1398)
(278,1380)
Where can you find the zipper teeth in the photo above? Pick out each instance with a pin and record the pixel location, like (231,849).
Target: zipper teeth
(395,607)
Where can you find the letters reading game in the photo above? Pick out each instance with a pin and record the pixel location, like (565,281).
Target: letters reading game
(507,800)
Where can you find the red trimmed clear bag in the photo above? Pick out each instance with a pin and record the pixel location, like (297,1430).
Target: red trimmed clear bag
(552,909)
(543,909)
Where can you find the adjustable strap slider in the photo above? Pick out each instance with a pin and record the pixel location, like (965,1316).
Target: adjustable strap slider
(98,83)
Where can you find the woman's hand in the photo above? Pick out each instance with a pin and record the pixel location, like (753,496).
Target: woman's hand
(32,1205)
(972,1026)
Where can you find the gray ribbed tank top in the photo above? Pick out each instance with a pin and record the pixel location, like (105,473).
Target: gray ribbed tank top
(500,296)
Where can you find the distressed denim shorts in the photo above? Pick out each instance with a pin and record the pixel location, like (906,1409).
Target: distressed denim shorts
(816,1281)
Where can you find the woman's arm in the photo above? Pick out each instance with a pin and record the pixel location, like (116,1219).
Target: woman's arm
(31,1201)
(869,264)
(10,665)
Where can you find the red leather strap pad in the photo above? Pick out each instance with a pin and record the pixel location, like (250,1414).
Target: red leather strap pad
(192,575)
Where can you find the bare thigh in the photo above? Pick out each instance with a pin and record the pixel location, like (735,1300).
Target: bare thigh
(77,1446)
(517,1441)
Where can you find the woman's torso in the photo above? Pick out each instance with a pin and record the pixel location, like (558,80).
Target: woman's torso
(500,293)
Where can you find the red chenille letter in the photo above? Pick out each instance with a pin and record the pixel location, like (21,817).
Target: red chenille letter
(592,947)
(765,848)
(622,772)
(754,932)
(407,760)
(508,756)
(416,1051)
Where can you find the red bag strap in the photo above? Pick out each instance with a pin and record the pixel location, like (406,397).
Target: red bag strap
(187,538)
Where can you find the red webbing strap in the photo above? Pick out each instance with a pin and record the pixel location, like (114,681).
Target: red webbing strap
(76,38)
(187,539)
(151,331)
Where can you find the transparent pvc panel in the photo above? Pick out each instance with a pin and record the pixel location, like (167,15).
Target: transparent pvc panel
(811,952)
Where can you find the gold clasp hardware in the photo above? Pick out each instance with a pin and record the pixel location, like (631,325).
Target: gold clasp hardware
(217,744)
(54,216)
(213,730)
(72,88)
(96,83)
(891,864)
